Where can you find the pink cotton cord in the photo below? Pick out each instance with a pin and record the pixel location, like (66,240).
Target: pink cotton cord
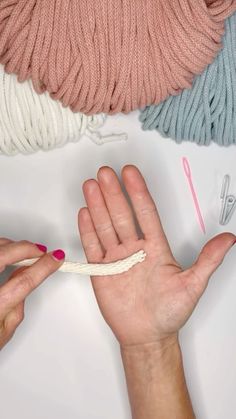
(110,55)
(188,174)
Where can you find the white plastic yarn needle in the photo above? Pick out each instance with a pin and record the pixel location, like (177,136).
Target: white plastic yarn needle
(188,174)
(228,202)
(230,205)
(223,197)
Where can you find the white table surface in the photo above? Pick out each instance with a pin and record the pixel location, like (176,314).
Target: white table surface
(63,361)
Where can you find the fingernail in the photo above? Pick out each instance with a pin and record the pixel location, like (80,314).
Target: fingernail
(58,254)
(41,247)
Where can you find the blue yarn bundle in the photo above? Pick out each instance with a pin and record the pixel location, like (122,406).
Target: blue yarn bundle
(207,111)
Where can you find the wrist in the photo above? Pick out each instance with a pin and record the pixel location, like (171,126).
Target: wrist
(158,347)
(155,379)
(160,359)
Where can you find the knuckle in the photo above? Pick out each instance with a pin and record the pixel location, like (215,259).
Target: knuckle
(45,267)
(5,299)
(24,243)
(24,281)
(50,264)
(121,219)
(5,239)
(11,322)
(91,245)
(104,227)
(210,259)
(18,317)
(115,193)
(148,210)
(6,331)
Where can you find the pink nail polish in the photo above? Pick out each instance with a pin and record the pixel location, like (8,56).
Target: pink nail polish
(41,247)
(58,254)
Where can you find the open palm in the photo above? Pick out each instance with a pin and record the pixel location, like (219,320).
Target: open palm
(155,298)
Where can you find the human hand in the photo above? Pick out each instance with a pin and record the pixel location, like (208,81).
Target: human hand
(154,299)
(22,281)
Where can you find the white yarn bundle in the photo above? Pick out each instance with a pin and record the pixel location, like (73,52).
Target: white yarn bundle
(31,122)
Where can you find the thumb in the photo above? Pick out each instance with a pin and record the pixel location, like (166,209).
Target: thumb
(210,258)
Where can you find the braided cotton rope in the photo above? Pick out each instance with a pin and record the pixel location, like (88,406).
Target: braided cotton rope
(31,122)
(102,269)
(110,55)
(207,112)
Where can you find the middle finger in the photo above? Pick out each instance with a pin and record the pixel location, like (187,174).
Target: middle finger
(13,252)
(119,209)
(99,214)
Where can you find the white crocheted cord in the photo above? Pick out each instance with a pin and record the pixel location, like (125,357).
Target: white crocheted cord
(31,122)
(97,269)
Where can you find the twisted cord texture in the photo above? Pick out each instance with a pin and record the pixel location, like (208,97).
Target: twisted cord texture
(110,55)
(31,122)
(207,112)
(102,269)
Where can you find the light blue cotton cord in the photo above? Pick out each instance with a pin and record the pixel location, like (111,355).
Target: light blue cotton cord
(207,111)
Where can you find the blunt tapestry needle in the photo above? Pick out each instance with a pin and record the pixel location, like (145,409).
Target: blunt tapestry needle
(228,202)
(188,174)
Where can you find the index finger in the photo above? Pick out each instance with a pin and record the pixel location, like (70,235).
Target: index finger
(15,251)
(23,283)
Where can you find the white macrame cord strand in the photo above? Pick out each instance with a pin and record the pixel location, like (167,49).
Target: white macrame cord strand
(97,269)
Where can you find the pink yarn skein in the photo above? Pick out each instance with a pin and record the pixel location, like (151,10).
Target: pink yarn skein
(110,55)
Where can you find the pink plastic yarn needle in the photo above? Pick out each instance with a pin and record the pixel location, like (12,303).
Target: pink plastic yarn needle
(187,171)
